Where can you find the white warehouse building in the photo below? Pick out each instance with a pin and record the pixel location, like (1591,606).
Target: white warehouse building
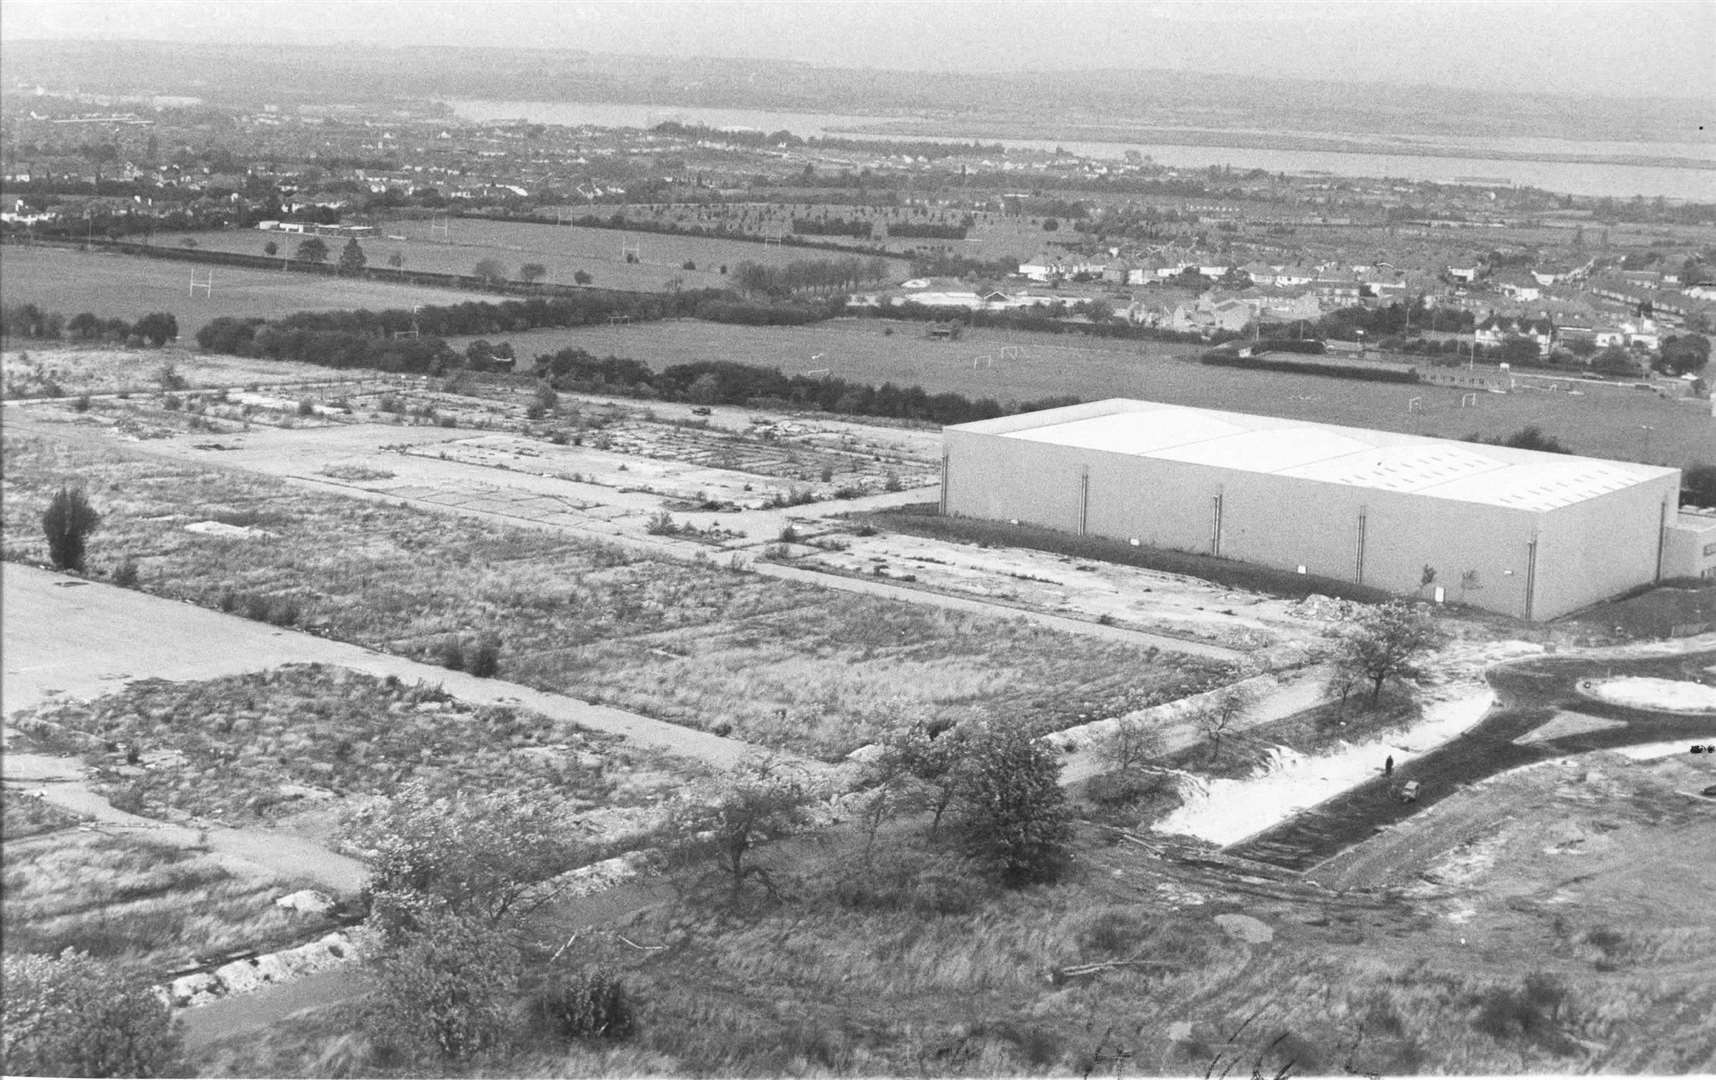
(1528,534)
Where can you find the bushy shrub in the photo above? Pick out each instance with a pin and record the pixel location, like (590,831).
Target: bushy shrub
(125,574)
(67,523)
(72,1015)
(452,653)
(590,1004)
(484,659)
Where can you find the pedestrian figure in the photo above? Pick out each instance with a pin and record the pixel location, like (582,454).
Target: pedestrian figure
(1388,766)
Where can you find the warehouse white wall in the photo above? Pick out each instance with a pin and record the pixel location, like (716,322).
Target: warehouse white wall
(1595,549)
(1586,552)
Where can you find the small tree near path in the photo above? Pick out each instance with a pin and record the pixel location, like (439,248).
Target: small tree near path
(1217,716)
(313,250)
(446,991)
(1385,643)
(759,801)
(1013,811)
(488,858)
(67,523)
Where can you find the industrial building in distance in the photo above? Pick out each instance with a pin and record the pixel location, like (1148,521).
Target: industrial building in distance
(1524,533)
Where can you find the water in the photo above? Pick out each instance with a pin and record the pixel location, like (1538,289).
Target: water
(1622,181)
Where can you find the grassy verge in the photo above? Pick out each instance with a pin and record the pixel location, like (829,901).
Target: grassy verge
(810,669)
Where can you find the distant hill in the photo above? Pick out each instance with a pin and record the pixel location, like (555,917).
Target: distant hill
(258,74)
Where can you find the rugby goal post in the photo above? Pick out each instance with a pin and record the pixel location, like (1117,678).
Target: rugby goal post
(1415,405)
(206,284)
(1468,401)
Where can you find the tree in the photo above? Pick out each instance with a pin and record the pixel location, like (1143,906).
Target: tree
(1698,485)
(1384,642)
(67,523)
(1014,814)
(1217,715)
(445,991)
(1686,354)
(84,325)
(1189,278)
(270,248)
(352,258)
(396,259)
(1615,360)
(72,1015)
(490,858)
(531,273)
(489,270)
(1520,350)
(1131,743)
(921,763)
(157,328)
(759,801)
(582,277)
(312,250)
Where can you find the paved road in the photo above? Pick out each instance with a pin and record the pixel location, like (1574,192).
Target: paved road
(1528,694)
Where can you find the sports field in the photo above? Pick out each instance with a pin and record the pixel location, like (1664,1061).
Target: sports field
(131,286)
(1017,366)
(562,250)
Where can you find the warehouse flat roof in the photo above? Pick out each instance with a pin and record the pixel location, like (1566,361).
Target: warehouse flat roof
(1359,457)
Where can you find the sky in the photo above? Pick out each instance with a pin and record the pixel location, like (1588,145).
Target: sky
(1613,48)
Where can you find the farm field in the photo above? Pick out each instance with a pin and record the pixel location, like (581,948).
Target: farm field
(129,287)
(1612,425)
(809,669)
(562,249)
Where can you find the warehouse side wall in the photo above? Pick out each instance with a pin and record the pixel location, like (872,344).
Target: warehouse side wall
(1482,555)
(1602,546)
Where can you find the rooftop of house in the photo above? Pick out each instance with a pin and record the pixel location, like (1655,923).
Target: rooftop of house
(1501,476)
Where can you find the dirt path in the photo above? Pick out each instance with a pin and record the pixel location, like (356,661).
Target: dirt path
(1529,694)
(248,852)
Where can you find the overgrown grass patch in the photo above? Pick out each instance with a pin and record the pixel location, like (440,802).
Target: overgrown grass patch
(145,906)
(264,744)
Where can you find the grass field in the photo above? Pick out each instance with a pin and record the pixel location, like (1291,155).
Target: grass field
(129,287)
(561,249)
(813,670)
(141,905)
(1616,425)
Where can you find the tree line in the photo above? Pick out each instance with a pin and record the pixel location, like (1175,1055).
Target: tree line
(31,321)
(726,382)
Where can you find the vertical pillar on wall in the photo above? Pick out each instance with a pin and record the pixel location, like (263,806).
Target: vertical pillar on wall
(1530,575)
(1661,538)
(1215,524)
(1083,499)
(1358,560)
(944,483)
